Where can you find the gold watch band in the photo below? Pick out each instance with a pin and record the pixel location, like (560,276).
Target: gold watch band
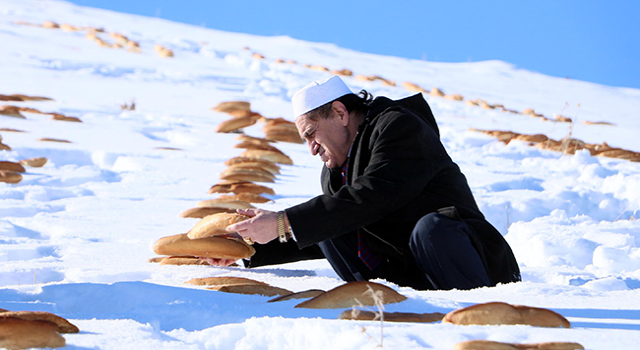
(283,235)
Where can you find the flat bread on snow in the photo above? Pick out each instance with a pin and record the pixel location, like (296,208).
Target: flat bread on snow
(361,315)
(253,289)
(240,187)
(243,162)
(494,345)
(234,124)
(222,281)
(345,296)
(208,247)
(244,197)
(11,111)
(183,260)
(63,326)
(311,293)
(268,155)
(291,137)
(497,313)
(12,166)
(34,162)
(255,145)
(214,203)
(229,106)
(237,168)
(249,175)
(10,177)
(16,333)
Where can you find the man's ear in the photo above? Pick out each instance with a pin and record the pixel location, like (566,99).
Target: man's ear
(341,111)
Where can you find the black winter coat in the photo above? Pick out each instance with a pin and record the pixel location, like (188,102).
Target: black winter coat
(398,172)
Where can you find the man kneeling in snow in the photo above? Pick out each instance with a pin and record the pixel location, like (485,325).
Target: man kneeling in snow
(395,206)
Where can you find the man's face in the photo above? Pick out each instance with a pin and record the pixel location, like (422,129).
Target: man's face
(326,137)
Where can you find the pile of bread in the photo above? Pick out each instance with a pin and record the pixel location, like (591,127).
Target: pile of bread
(33,329)
(566,145)
(435,92)
(11,172)
(207,239)
(15,111)
(260,162)
(120,41)
(353,294)
(493,313)
(239,188)
(275,129)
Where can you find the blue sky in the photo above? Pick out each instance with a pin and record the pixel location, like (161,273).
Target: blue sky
(587,40)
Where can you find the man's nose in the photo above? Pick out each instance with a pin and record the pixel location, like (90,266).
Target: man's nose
(313,148)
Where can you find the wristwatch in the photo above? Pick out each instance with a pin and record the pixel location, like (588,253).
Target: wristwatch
(284,233)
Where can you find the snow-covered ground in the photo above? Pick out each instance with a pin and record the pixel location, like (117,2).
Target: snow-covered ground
(76,234)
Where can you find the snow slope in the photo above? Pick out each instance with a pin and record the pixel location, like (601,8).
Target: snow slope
(75,235)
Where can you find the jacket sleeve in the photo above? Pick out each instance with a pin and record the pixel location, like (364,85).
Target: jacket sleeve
(405,154)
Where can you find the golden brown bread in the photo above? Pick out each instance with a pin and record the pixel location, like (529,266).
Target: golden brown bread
(237,169)
(412,87)
(240,187)
(256,140)
(253,289)
(279,128)
(11,130)
(20,97)
(279,121)
(248,187)
(209,247)
(268,155)
(226,204)
(292,137)
(34,162)
(248,175)
(596,123)
(256,145)
(48,139)
(236,123)
(64,118)
(229,106)
(221,187)
(345,296)
(12,166)
(261,164)
(311,293)
(183,260)
(10,177)
(236,160)
(222,281)
(202,212)
(16,333)
(245,197)
(494,345)
(215,225)
(361,315)
(11,111)
(62,325)
(496,313)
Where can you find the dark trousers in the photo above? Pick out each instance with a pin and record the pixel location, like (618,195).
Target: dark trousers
(444,257)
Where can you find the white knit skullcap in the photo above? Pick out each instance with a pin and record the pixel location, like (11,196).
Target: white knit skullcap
(316,94)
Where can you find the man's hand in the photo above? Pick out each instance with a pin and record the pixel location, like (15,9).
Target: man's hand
(261,228)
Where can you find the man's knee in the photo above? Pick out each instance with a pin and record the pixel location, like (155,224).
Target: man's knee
(433,229)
